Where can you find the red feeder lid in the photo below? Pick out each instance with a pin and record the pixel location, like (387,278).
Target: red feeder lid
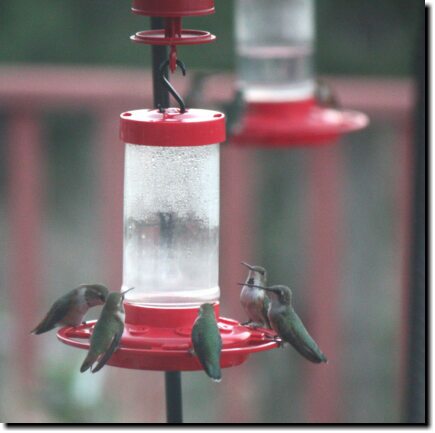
(173,8)
(194,127)
(287,124)
(160,339)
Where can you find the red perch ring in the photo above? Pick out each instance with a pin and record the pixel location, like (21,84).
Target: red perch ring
(160,339)
(184,37)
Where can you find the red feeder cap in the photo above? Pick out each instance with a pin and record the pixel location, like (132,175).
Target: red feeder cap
(194,127)
(173,8)
(287,124)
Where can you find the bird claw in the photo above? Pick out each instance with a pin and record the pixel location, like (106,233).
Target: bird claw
(252,324)
(256,325)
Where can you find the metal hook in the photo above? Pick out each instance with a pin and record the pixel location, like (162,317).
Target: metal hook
(168,85)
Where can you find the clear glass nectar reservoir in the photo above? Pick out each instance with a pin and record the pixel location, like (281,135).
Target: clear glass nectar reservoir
(275,49)
(171,224)
(171,208)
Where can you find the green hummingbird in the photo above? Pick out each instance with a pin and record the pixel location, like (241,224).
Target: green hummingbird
(287,324)
(70,308)
(255,301)
(207,342)
(107,333)
(325,95)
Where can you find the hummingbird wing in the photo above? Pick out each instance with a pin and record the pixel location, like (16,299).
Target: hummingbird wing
(266,304)
(109,352)
(57,312)
(207,344)
(104,341)
(292,330)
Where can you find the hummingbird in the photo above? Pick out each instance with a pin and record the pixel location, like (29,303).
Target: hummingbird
(255,301)
(207,342)
(287,324)
(325,95)
(107,333)
(70,308)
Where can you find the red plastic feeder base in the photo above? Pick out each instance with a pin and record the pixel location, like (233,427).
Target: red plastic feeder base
(159,339)
(287,124)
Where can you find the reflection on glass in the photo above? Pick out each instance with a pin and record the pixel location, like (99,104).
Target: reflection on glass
(275,49)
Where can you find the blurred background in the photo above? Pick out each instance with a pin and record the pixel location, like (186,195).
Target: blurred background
(334,222)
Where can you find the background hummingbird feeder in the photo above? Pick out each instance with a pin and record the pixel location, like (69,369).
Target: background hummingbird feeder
(276,77)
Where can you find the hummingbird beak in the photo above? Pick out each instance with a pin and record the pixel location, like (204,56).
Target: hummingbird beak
(125,291)
(250,267)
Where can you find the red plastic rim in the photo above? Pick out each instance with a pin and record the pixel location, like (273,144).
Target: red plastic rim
(195,127)
(287,124)
(187,37)
(173,8)
(165,347)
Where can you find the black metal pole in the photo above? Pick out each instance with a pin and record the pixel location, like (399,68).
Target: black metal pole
(415,393)
(159,54)
(174,407)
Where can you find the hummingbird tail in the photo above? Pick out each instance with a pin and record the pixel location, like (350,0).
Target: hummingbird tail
(87,363)
(317,358)
(324,358)
(42,327)
(214,372)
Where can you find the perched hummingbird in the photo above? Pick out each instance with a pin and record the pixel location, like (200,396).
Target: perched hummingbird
(70,309)
(325,95)
(207,342)
(107,332)
(255,301)
(287,324)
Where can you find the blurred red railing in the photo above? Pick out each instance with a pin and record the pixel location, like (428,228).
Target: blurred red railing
(27,92)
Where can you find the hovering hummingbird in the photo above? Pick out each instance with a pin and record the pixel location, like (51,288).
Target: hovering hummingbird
(107,332)
(287,324)
(255,301)
(70,309)
(207,342)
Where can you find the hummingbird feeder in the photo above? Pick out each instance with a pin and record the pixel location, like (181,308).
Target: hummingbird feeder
(171,220)
(275,51)
(173,34)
